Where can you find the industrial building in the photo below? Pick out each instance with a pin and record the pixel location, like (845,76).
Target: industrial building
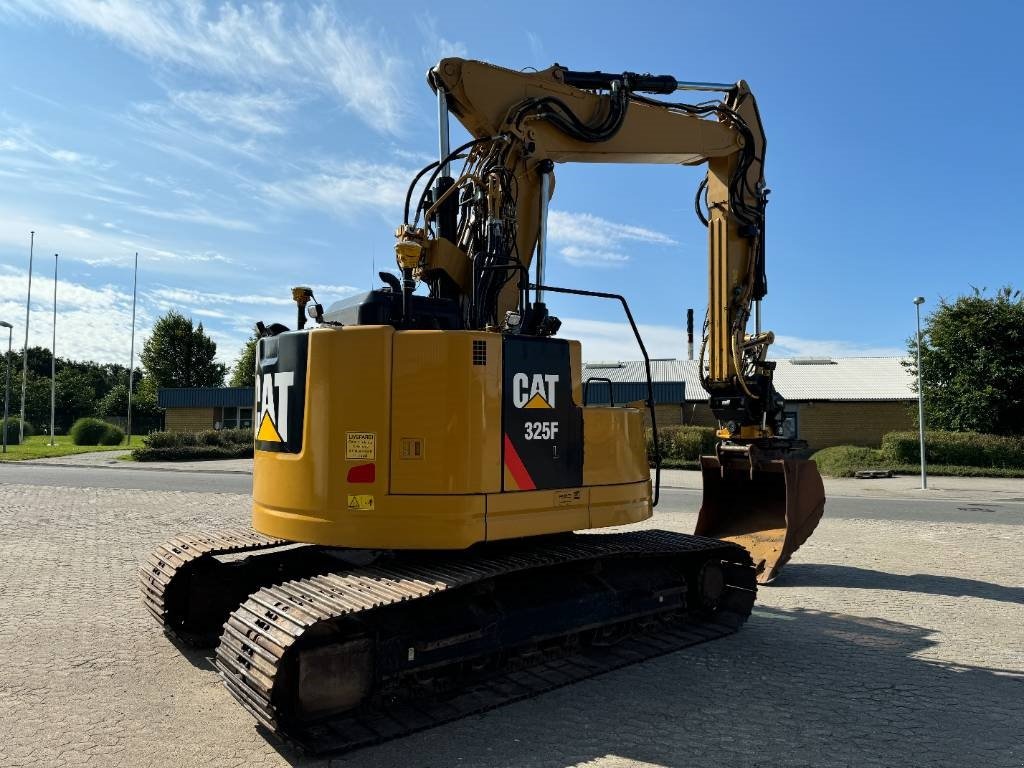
(829,401)
(195,409)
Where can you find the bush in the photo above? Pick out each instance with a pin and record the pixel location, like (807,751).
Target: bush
(13,431)
(968,449)
(196,446)
(88,431)
(682,443)
(847,460)
(113,436)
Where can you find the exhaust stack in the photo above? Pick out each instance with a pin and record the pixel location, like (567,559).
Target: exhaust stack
(689,334)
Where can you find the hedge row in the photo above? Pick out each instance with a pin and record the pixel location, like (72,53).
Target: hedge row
(682,444)
(89,431)
(847,460)
(967,449)
(196,446)
(192,453)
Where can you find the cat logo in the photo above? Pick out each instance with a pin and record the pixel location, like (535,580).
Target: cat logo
(536,391)
(272,406)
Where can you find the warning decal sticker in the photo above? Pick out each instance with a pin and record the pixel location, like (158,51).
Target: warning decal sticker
(360,446)
(360,501)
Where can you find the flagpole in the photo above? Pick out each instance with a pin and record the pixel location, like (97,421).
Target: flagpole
(131,356)
(24,351)
(53,357)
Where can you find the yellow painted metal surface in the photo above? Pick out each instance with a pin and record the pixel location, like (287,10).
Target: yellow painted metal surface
(373,393)
(620,504)
(614,446)
(307,496)
(446,413)
(576,369)
(532,513)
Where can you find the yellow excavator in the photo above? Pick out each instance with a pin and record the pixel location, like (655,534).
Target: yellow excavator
(426,458)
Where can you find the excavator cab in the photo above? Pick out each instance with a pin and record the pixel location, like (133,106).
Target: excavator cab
(767,504)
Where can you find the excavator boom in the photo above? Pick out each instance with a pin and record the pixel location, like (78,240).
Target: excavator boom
(522,123)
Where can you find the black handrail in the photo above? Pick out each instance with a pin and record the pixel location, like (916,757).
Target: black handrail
(647,368)
(611,389)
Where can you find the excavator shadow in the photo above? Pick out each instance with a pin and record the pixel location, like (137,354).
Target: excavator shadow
(851,577)
(793,687)
(200,658)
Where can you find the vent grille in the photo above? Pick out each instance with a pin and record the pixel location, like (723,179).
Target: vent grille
(479,352)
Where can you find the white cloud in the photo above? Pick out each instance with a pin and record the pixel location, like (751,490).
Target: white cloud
(333,290)
(97,247)
(589,239)
(253,44)
(254,112)
(436,46)
(591,257)
(538,54)
(196,216)
(604,340)
(167,296)
(67,156)
(92,323)
(345,188)
(22,139)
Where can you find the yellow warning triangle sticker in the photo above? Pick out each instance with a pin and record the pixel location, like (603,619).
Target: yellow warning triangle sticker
(537,401)
(268,432)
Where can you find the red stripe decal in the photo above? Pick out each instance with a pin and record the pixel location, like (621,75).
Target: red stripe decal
(516,467)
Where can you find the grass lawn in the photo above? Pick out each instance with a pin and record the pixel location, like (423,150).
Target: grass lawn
(38,447)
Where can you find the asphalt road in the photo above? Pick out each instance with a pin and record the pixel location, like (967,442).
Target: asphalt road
(673,500)
(130,479)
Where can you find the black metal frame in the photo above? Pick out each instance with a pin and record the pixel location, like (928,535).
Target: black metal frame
(647,368)
(611,388)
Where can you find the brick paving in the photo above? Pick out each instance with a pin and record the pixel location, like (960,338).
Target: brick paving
(885,644)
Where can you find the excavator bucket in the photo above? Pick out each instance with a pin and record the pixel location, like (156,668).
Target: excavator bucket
(768,506)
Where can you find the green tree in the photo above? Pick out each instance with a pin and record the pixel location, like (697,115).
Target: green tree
(244,372)
(115,402)
(180,354)
(972,352)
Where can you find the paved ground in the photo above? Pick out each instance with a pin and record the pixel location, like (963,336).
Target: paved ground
(889,641)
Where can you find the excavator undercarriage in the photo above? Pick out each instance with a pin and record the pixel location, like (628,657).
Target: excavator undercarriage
(333,655)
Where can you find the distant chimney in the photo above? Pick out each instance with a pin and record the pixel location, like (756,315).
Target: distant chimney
(689,334)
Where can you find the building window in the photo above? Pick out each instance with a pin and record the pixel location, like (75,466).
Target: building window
(790,425)
(231,417)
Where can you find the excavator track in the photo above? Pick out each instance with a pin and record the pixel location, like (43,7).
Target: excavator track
(191,582)
(346,659)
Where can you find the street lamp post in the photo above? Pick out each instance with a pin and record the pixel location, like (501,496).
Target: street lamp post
(7,386)
(920,395)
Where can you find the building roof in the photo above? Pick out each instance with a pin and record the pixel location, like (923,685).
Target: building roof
(205,397)
(837,378)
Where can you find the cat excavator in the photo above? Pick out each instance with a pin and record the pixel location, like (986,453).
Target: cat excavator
(428,470)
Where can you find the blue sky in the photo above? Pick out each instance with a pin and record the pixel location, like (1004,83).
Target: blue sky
(242,149)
